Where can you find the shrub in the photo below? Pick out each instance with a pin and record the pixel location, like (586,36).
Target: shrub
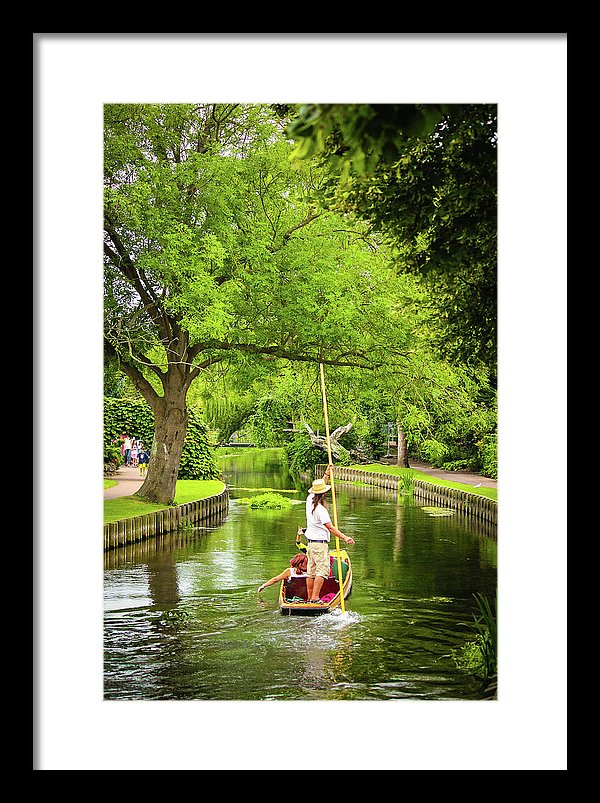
(268,501)
(370,432)
(479,656)
(302,455)
(197,459)
(344,457)
(131,417)
(488,449)
(113,454)
(134,417)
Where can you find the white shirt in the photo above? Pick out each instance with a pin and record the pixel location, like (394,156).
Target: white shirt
(316,521)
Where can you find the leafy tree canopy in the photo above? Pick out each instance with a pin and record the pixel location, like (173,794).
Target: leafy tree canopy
(220,239)
(215,250)
(426,178)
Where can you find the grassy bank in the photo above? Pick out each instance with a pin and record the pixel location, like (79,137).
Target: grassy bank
(384,468)
(413,473)
(124,507)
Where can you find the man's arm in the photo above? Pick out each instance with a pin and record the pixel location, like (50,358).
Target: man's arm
(334,530)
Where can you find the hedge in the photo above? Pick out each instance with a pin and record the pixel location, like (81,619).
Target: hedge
(134,417)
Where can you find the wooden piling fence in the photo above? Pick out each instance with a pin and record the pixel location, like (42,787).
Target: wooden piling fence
(138,528)
(469,504)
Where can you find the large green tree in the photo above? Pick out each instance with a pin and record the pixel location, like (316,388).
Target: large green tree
(213,246)
(426,177)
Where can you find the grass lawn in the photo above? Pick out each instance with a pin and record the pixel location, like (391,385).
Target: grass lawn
(124,507)
(492,493)
(109,483)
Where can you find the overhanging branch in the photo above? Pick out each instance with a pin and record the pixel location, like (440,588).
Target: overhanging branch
(346,359)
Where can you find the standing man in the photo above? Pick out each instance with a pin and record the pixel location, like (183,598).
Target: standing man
(127,448)
(318,530)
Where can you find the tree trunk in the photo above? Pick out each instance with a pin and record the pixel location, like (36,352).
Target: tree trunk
(402,459)
(320,441)
(170,426)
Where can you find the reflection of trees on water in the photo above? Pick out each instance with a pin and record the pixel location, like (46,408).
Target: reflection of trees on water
(341,660)
(161,676)
(140,552)
(270,464)
(473,523)
(205,635)
(162,580)
(415,550)
(399,532)
(143,551)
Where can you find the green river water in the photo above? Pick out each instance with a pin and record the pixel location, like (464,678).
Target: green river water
(183,620)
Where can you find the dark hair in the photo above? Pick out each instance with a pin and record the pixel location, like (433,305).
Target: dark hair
(318,498)
(299,561)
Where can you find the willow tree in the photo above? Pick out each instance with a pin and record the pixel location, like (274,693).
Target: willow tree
(213,247)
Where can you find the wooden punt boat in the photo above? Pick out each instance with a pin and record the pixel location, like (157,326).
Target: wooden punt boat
(293,590)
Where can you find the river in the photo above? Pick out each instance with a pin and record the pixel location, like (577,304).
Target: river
(183,620)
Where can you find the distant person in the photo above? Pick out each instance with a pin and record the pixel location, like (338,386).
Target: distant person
(127,450)
(143,460)
(318,530)
(134,453)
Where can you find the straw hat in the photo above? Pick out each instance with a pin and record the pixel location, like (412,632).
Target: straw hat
(319,487)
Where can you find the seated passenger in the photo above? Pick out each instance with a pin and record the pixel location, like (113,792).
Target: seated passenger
(296,569)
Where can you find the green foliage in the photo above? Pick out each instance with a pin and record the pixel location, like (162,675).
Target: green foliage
(267,422)
(113,454)
(470,658)
(357,135)
(405,481)
(486,626)
(131,417)
(226,414)
(446,411)
(488,450)
(302,455)
(116,384)
(426,178)
(134,417)
(343,457)
(479,656)
(267,501)
(198,460)
(370,428)
(234,259)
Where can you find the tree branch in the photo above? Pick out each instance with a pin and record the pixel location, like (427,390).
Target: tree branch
(347,359)
(122,262)
(320,441)
(308,219)
(134,373)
